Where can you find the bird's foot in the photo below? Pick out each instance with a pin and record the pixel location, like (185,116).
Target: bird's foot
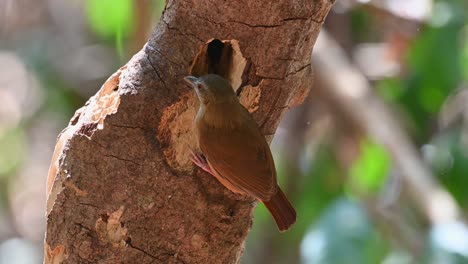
(200,160)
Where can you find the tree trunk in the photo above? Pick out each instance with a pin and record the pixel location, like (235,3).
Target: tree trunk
(121,186)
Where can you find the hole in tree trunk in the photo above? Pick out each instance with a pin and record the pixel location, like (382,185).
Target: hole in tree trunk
(220,57)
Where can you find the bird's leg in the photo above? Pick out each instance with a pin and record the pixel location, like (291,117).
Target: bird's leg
(200,160)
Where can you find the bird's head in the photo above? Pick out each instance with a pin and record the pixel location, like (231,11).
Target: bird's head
(212,88)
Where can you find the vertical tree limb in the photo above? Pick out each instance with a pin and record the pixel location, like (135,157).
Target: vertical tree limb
(121,186)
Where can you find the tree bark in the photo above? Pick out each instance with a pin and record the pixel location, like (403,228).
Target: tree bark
(121,187)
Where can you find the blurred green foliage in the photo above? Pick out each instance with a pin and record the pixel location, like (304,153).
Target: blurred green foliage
(334,229)
(433,74)
(369,172)
(13,150)
(434,64)
(111,19)
(450,162)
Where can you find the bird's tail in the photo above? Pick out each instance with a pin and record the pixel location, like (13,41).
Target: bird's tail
(281,210)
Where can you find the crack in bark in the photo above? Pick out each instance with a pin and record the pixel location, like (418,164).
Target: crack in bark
(181,32)
(121,159)
(84,227)
(287,74)
(298,70)
(271,78)
(88,204)
(151,48)
(206,19)
(288,59)
(158,257)
(125,126)
(98,144)
(259,25)
(295,18)
(317,21)
(283,22)
(154,69)
(268,115)
(319,10)
(269,134)
(129,243)
(255,26)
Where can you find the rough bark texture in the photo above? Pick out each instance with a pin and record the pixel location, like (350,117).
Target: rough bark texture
(121,186)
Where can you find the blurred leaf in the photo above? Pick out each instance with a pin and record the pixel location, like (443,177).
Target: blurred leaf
(111,19)
(369,172)
(323,184)
(344,234)
(12,150)
(464,57)
(450,162)
(390,89)
(361,22)
(398,256)
(434,68)
(261,214)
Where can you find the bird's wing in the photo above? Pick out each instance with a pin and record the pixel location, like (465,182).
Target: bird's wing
(242,157)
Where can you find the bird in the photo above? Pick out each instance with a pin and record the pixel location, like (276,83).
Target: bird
(234,150)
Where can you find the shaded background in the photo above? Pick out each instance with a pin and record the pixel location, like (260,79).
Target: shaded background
(350,194)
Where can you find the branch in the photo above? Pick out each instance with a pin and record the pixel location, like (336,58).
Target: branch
(349,89)
(121,186)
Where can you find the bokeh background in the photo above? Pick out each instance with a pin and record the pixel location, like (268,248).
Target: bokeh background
(350,174)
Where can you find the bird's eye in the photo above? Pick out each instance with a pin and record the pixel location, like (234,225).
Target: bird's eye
(200,87)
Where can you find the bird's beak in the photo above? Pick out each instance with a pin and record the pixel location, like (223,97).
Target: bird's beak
(194,81)
(191,80)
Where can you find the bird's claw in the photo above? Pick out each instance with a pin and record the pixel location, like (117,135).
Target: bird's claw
(200,160)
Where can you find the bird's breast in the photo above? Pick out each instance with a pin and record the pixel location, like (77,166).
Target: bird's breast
(220,117)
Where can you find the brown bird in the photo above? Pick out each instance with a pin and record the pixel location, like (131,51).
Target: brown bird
(233,148)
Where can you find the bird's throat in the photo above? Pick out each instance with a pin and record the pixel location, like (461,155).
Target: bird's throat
(226,115)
